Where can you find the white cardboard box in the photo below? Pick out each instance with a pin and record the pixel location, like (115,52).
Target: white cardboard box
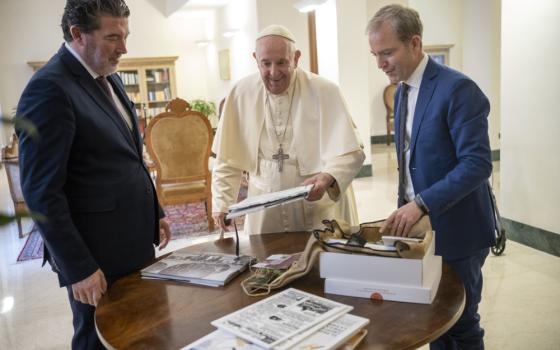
(378,269)
(424,293)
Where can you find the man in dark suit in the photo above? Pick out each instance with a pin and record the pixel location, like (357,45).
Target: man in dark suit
(446,160)
(85,172)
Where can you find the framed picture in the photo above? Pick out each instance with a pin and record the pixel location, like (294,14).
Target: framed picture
(440,53)
(223,61)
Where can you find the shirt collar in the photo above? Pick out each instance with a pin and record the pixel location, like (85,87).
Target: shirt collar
(416,78)
(79,58)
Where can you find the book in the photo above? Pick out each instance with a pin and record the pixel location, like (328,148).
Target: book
(204,268)
(346,331)
(276,320)
(267,200)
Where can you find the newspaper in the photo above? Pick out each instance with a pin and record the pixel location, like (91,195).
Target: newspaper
(205,268)
(267,200)
(278,318)
(330,336)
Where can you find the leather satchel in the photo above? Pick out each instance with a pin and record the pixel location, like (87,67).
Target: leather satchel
(263,280)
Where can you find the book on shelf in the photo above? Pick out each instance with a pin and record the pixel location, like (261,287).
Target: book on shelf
(204,268)
(282,320)
(267,200)
(346,331)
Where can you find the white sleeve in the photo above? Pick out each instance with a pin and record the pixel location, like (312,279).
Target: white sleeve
(226,181)
(343,168)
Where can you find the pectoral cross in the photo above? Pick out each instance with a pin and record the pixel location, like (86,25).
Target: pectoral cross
(279,157)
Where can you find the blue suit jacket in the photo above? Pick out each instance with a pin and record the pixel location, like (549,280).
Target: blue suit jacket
(85,174)
(450,160)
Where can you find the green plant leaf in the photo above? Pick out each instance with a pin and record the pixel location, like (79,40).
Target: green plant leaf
(207,108)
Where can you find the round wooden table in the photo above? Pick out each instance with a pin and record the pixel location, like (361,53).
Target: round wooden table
(137,313)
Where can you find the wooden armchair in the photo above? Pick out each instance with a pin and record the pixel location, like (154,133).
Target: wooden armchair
(10,154)
(389,100)
(178,141)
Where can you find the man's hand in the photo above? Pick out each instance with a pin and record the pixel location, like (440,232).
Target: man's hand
(90,289)
(320,183)
(401,220)
(164,233)
(219,219)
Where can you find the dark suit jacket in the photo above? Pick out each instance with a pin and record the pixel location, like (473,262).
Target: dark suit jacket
(450,160)
(85,174)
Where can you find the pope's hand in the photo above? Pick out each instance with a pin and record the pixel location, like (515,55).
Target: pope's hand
(219,219)
(90,289)
(320,183)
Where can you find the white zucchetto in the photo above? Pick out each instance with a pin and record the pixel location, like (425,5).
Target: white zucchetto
(276,29)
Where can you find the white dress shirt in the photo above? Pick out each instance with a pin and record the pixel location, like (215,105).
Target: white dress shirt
(414,82)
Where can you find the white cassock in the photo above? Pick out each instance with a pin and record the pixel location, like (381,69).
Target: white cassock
(319,136)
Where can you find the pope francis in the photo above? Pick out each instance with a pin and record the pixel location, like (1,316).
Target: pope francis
(286,127)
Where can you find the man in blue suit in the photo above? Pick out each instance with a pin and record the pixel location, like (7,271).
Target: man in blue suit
(85,172)
(445,161)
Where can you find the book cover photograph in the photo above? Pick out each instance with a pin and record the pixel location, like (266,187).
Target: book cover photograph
(205,268)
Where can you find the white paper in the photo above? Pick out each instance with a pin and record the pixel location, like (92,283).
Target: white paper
(329,336)
(280,317)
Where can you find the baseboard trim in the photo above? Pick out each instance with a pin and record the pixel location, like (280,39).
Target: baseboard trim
(365,171)
(534,237)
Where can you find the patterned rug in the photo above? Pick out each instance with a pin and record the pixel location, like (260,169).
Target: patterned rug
(185,221)
(33,247)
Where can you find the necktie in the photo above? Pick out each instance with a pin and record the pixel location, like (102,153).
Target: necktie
(403,111)
(104,84)
(102,81)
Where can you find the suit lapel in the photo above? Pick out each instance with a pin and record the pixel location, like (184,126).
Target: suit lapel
(96,93)
(123,97)
(425,93)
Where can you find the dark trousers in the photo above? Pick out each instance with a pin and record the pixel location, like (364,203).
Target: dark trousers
(466,333)
(85,335)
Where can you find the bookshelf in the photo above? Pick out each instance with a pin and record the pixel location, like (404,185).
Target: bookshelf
(149,82)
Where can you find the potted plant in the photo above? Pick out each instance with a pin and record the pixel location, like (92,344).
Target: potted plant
(207,108)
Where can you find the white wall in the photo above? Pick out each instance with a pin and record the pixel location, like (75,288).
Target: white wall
(327,40)
(38,39)
(530,165)
(443,24)
(240,15)
(481,55)
(353,49)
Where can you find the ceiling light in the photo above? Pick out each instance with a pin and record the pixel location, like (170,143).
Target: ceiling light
(308,5)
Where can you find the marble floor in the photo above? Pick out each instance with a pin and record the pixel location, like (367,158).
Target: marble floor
(520,308)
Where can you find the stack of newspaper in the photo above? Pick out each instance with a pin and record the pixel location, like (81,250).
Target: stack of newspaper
(291,319)
(205,268)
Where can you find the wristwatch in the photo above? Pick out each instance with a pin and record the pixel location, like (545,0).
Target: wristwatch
(420,203)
